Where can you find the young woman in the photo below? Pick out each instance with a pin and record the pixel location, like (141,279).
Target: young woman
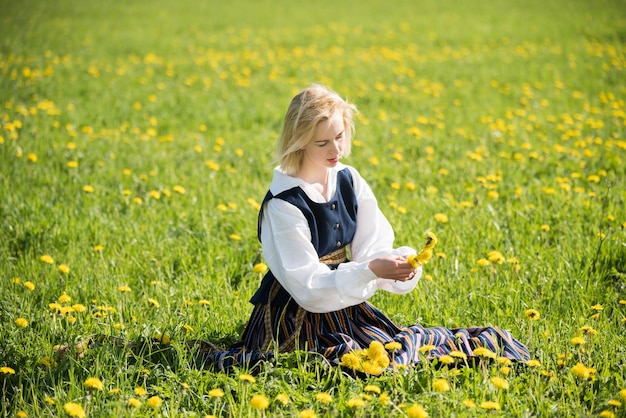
(329,249)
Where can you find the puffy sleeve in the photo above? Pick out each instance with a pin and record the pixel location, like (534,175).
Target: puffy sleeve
(289,253)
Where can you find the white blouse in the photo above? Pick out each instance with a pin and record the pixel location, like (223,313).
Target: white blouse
(289,253)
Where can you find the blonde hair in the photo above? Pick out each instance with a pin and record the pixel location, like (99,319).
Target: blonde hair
(307,109)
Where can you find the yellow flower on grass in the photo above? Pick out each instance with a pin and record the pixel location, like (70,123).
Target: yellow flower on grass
(235,237)
(140,391)
(356,403)
(607,414)
(154,402)
(49,400)
(372,360)
(260,268)
(441,218)
(93,383)
(6,370)
(372,388)
(582,371)
(597,307)
(496,257)
(74,410)
(441,385)
(325,397)
(123,289)
(484,352)
(154,302)
(21,322)
(458,354)
(416,411)
(163,338)
(29,285)
(622,394)
(180,189)
(490,405)
(532,314)
(216,393)
(133,402)
(307,413)
(545,228)
(282,398)
(260,402)
(500,383)
(88,188)
(578,340)
(469,403)
(46,259)
(64,268)
(248,378)
(446,359)
(114,391)
(426,348)
(483,262)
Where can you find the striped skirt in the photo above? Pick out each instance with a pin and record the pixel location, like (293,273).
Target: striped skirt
(285,327)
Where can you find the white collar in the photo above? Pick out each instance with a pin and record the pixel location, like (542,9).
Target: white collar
(282,181)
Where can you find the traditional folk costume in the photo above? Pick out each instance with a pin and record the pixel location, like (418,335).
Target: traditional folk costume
(315,297)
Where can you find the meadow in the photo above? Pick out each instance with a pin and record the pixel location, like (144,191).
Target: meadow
(136,142)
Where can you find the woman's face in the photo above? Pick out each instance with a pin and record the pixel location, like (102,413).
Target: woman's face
(324,150)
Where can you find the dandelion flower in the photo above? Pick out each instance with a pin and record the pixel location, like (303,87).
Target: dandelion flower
(490,405)
(441,385)
(324,397)
(46,259)
(441,218)
(392,346)
(622,394)
(64,268)
(21,322)
(426,253)
(154,302)
(216,393)
(416,411)
(93,383)
(372,388)
(580,370)
(235,237)
(248,378)
(607,414)
(545,228)
(483,262)
(578,340)
(133,402)
(484,352)
(532,314)
(74,410)
(469,403)
(64,298)
(6,370)
(123,289)
(384,399)
(597,307)
(500,383)
(260,268)
(88,189)
(180,189)
(533,363)
(140,391)
(307,413)
(426,348)
(49,400)
(154,402)
(260,402)
(446,359)
(114,391)
(615,402)
(29,285)
(458,354)
(163,338)
(356,403)
(282,398)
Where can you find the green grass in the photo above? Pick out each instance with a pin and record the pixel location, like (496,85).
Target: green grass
(508,118)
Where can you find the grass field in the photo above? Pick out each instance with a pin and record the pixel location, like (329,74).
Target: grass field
(136,142)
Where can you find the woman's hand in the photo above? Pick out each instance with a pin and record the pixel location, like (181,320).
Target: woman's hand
(392,268)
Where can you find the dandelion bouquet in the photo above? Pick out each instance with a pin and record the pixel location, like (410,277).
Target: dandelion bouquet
(426,253)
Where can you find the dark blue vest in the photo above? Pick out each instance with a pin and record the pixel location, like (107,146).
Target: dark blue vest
(332,225)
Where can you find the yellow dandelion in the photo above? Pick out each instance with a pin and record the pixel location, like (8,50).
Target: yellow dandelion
(282,398)
(580,370)
(49,400)
(163,338)
(446,359)
(154,302)
(441,218)
(500,383)
(154,402)
(545,228)
(72,164)
(259,402)
(324,397)
(441,385)
(615,402)
(93,383)
(74,410)
(578,340)
(188,328)
(260,268)
(532,314)
(248,378)
(426,348)
(416,411)
(114,391)
(46,259)
(216,393)
(29,285)
(372,388)
(307,413)
(32,157)
(140,391)
(124,289)
(235,237)
(483,262)
(468,403)
(607,414)
(203,302)
(622,394)
(533,363)
(356,403)
(133,402)
(21,322)
(484,352)
(63,268)
(504,361)
(88,188)
(64,298)
(98,248)
(490,405)
(392,346)
(597,308)
(384,399)
(6,370)
(458,354)
(180,189)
